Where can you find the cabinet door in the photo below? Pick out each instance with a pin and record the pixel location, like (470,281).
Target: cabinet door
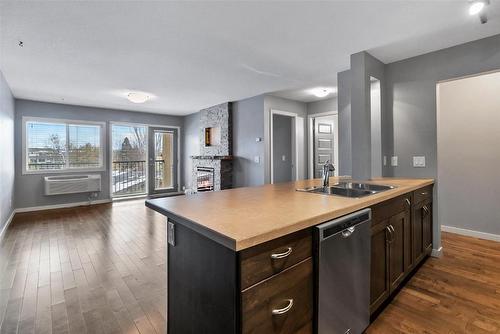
(379,276)
(422,230)
(399,248)
(427,227)
(418,248)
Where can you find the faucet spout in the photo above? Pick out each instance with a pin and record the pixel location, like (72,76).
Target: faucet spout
(327,169)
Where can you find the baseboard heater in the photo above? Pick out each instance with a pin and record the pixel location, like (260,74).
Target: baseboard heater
(72,184)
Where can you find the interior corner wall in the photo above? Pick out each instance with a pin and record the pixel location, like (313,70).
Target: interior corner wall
(7,179)
(29,187)
(300,109)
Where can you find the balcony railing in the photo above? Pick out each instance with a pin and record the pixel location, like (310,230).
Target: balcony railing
(129,177)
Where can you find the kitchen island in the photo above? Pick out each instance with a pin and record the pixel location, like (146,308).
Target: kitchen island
(243,260)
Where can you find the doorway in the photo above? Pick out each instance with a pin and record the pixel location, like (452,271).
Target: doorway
(286,146)
(162,160)
(144,160)
(323,143)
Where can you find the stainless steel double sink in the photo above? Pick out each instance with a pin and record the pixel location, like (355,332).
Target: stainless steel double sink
(349,189)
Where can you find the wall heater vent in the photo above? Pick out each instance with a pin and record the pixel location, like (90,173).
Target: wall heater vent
(71,184)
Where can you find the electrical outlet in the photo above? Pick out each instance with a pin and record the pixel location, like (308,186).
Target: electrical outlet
(419,161)
(385,160)
(394,161)
(283,158)
(256,159)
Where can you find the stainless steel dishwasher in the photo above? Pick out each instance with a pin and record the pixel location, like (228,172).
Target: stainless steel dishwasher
(343,253)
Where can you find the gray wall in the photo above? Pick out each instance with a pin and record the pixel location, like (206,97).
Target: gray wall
(190,145)
(411,97)
(248,125)
(282,147)
(344,105)
(298,108)
(363,66)
(6,152)
(29,188)
(411,103)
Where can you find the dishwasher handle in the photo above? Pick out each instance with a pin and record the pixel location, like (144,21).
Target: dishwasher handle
(346,224)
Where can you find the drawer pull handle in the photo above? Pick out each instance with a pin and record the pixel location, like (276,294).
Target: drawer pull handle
(279,311)
(423,194)
(277,256)
(407,201)
(426,210)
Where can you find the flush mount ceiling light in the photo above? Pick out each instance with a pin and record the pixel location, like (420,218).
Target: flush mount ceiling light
(322,91)
(475,7)
(138,97)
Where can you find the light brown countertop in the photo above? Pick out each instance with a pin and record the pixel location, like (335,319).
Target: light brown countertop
(244,217)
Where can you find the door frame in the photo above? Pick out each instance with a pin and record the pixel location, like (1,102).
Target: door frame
(175,188)
(294,141)
(110,157)
(310,141)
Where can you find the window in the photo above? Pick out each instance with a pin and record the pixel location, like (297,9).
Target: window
(54,145)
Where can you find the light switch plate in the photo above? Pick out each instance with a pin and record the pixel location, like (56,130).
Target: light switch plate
(256,159)
(394,161)
(258,139)
(419,161)
(283,158)
(385,160)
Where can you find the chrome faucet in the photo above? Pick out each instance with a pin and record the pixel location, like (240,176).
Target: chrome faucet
(327,168)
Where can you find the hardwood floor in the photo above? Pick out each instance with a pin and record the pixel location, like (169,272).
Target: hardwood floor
(84,270)
(101,269)
(459,293)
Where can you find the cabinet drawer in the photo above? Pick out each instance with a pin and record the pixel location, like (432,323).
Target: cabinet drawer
(281,304)
(263,261)
(422,194)
(389,208)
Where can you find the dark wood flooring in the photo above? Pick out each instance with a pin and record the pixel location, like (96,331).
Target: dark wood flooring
(85,270)
(101,269)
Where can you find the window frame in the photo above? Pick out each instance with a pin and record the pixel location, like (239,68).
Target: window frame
(66,122)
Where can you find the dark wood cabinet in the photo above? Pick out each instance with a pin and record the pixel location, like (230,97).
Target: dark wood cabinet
(379,278)
(422,230)
(399,248)
(401,239)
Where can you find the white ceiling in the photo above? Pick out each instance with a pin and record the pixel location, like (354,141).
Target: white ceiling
(195,54)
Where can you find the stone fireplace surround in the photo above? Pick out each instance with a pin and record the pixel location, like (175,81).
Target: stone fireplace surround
(217,157)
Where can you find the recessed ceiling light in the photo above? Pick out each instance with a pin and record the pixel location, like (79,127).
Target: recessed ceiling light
(322,91)
(138,97)
(476,7)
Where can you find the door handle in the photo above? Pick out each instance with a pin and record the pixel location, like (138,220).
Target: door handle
(426,210)
(389,236)
(408,202)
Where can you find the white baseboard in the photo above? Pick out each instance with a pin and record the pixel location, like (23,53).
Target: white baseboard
(61,206)
(437,252)
(470,233)
(7,223)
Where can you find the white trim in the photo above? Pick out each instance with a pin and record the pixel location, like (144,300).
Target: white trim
(61,206)
(6,226)
(66,122)
(471,233)
(294,138)
(437,252)
(310,141)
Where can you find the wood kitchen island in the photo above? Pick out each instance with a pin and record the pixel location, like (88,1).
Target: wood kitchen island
(243,260)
